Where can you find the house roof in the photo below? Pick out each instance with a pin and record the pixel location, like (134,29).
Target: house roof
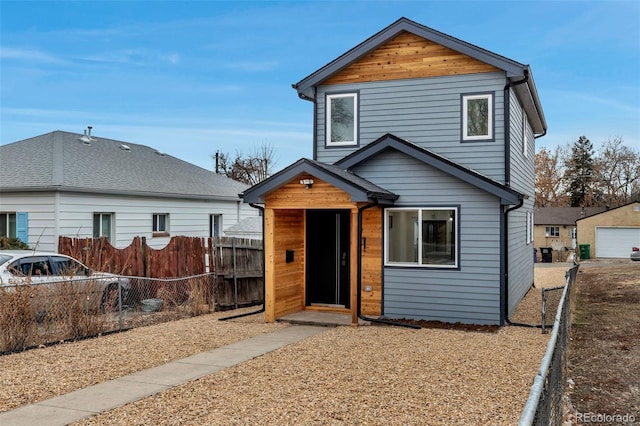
(607,209)
(361,190)
(389,141)
(247,226)
(62,161)
(563,215)
(515,71)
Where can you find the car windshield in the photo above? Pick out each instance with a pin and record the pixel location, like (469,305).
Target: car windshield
(4,258)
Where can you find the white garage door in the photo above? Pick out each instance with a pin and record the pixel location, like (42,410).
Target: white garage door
(616,242)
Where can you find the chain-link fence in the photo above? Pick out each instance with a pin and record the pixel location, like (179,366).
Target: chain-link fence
(545,403)
(36,313)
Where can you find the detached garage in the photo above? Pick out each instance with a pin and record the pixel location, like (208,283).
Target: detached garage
(612,233)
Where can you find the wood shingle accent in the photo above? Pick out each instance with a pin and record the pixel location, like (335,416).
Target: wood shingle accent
(408,56)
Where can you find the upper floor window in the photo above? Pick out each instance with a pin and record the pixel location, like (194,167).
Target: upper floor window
(477,117)
(525,139)
(160,224)
(342,119)
(422,237)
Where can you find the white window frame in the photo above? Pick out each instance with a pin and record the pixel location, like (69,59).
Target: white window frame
(549,231)
(331,96)
(490,131)
(215,225)
(111,225)
(418,231)
(7,231)
(155,225)
(525,139)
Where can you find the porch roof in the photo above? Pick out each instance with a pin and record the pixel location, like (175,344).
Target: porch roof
(361,190)
(507,195)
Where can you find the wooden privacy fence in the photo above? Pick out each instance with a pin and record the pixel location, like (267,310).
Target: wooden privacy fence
(236,263)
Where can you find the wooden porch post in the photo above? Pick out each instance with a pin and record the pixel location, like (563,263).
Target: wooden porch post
(269,260)
(353,279)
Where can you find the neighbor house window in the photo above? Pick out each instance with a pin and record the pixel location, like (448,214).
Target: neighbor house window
(525,147)
(215,225)
(102,225)
(422,237)
(160,223)
(552,231)
(477,117)
(342,119)
(8,226)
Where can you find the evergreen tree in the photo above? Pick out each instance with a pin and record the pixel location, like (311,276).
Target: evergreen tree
(579,173)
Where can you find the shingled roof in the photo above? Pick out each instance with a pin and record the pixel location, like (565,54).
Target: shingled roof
(563,215)
(62,161)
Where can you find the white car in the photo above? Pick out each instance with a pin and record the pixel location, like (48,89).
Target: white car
(635,253)
(26,267)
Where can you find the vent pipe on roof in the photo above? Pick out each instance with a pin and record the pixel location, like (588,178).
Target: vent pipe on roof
(86,138)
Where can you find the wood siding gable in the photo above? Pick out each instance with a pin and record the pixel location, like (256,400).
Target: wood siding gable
(408,56)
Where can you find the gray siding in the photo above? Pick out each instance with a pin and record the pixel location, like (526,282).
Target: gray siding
(426,112)
(470,294)
(520,269)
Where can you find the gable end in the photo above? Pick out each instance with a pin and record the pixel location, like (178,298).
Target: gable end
(409,56)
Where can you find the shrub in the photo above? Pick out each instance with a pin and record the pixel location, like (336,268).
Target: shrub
(12,243)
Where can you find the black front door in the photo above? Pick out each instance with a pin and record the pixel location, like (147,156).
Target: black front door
(327,258)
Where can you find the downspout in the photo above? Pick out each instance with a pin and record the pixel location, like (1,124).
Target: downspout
(315,118)
(507,126)
(359,278)
(264,275)
(505,306)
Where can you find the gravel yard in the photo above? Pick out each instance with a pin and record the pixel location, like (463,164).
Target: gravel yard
(369,374)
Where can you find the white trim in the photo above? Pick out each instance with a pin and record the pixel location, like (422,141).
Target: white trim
(525,139)
(329,97)
(465,99)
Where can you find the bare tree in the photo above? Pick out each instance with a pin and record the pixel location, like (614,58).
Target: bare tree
(549,170)
(617,172)
(250,169)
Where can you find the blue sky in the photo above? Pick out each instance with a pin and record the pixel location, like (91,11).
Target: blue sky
(190,78)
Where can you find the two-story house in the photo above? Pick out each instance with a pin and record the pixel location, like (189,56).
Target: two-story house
(418,201)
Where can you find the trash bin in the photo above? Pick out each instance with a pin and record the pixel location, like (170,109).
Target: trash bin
(547,256)
(585,251)
(535,255)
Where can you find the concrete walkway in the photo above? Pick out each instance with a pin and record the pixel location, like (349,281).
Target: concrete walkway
(77,405)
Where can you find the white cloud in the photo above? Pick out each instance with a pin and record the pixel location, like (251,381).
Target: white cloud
(29,55)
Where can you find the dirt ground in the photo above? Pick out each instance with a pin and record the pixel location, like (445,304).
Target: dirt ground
(604,355)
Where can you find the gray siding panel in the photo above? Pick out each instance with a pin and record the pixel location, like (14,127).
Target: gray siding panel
(470,294)
(426,112)
(520,269)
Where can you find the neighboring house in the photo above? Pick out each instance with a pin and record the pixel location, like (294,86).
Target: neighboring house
(555,227)
(250,227)
(418,202)
(612,233)
(75,185)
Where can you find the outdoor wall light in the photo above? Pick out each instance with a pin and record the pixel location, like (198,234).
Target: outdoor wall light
(308,183)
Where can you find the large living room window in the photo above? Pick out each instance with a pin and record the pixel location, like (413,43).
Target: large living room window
(477,117)
(422,237)
(342,119)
